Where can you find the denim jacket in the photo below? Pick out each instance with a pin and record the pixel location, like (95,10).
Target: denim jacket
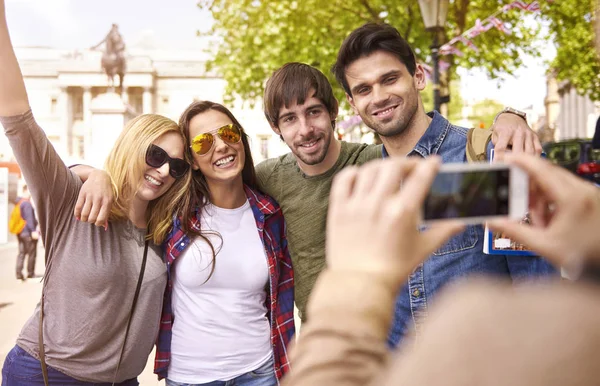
(462,255)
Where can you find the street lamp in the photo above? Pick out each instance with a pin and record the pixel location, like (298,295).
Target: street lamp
(434,14)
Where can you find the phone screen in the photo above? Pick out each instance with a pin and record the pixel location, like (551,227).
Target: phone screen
(468,194)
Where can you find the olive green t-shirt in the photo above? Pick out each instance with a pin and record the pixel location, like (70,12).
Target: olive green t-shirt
(304,201)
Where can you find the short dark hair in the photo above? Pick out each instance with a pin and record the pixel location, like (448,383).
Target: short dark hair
(367,39)
(292,83)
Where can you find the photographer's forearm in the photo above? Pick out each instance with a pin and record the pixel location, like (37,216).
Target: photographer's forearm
(344,340)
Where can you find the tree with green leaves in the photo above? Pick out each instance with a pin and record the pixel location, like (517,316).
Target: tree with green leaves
(571,25)
(255,37)
(483,112)
(454,106)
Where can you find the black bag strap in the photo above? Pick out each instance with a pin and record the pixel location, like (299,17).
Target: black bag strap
(41,340)
(135,298)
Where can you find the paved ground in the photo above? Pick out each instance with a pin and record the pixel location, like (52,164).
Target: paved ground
(18,300)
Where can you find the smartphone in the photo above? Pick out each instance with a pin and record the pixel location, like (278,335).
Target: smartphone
(476,192)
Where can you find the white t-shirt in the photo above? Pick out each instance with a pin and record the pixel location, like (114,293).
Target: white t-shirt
(221,330)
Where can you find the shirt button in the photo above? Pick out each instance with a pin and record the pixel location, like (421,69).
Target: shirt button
(416,293)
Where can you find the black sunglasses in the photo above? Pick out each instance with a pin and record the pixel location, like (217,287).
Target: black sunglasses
(157,157)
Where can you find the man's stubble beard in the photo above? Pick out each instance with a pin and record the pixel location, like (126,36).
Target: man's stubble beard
(318,158)
(396,127)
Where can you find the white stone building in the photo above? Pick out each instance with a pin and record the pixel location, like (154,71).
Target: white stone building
(568,114)
(577,114)
(64,85)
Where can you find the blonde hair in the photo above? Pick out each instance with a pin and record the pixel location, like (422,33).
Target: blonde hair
(126,165)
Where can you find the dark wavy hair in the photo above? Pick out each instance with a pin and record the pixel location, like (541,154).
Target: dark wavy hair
(367,39)
(199,193)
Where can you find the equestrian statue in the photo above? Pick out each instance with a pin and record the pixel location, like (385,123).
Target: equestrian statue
(113,57)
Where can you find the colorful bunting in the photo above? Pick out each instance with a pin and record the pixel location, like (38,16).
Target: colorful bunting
(429,70)
(468,43)
(533,7)
(479,28)
(499,25)
(485,25)
(447,49)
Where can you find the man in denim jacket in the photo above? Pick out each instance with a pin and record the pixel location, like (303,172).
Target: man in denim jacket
(378,71)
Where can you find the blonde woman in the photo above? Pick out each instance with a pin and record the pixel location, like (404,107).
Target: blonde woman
(102,295)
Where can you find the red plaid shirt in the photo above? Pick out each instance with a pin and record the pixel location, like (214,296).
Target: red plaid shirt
(280,299)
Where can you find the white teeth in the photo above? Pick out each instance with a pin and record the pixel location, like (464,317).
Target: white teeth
(224,161)
(153,181)
(308,144)
(384,111)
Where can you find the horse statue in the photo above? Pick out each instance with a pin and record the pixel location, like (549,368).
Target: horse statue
(113,57)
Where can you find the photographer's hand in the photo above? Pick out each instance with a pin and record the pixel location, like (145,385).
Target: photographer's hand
(565,212)
(373,223)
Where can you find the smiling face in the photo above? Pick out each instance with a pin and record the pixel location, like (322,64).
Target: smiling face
(224,162)
(384,93)
(157,180)
(307,130)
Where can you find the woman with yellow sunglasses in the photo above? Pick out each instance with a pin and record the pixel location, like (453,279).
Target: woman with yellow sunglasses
(228,308)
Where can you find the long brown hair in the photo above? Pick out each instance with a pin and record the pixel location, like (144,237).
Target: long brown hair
(199,193)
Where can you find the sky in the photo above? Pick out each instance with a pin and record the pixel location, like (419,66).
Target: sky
(526,87)
(77,24)
(80,24)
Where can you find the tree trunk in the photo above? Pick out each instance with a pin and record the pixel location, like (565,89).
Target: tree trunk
(461,8)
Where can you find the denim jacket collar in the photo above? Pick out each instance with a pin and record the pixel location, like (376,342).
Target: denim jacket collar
(432,139)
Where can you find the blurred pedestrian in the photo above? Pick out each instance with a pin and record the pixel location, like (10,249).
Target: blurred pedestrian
(27,237)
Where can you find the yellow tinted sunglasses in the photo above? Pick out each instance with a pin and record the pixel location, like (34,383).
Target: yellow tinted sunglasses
(202,143)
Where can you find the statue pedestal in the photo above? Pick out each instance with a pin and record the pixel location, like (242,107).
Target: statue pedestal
(108,117)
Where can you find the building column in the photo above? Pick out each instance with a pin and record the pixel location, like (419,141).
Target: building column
(566,131)
(87,120)
(590,112)
(147,101)
(576,109)
(66,121)
(582,116)
(125,95)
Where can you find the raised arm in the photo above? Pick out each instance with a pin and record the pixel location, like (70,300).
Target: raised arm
(13,96)
(53,187)
(99,44)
